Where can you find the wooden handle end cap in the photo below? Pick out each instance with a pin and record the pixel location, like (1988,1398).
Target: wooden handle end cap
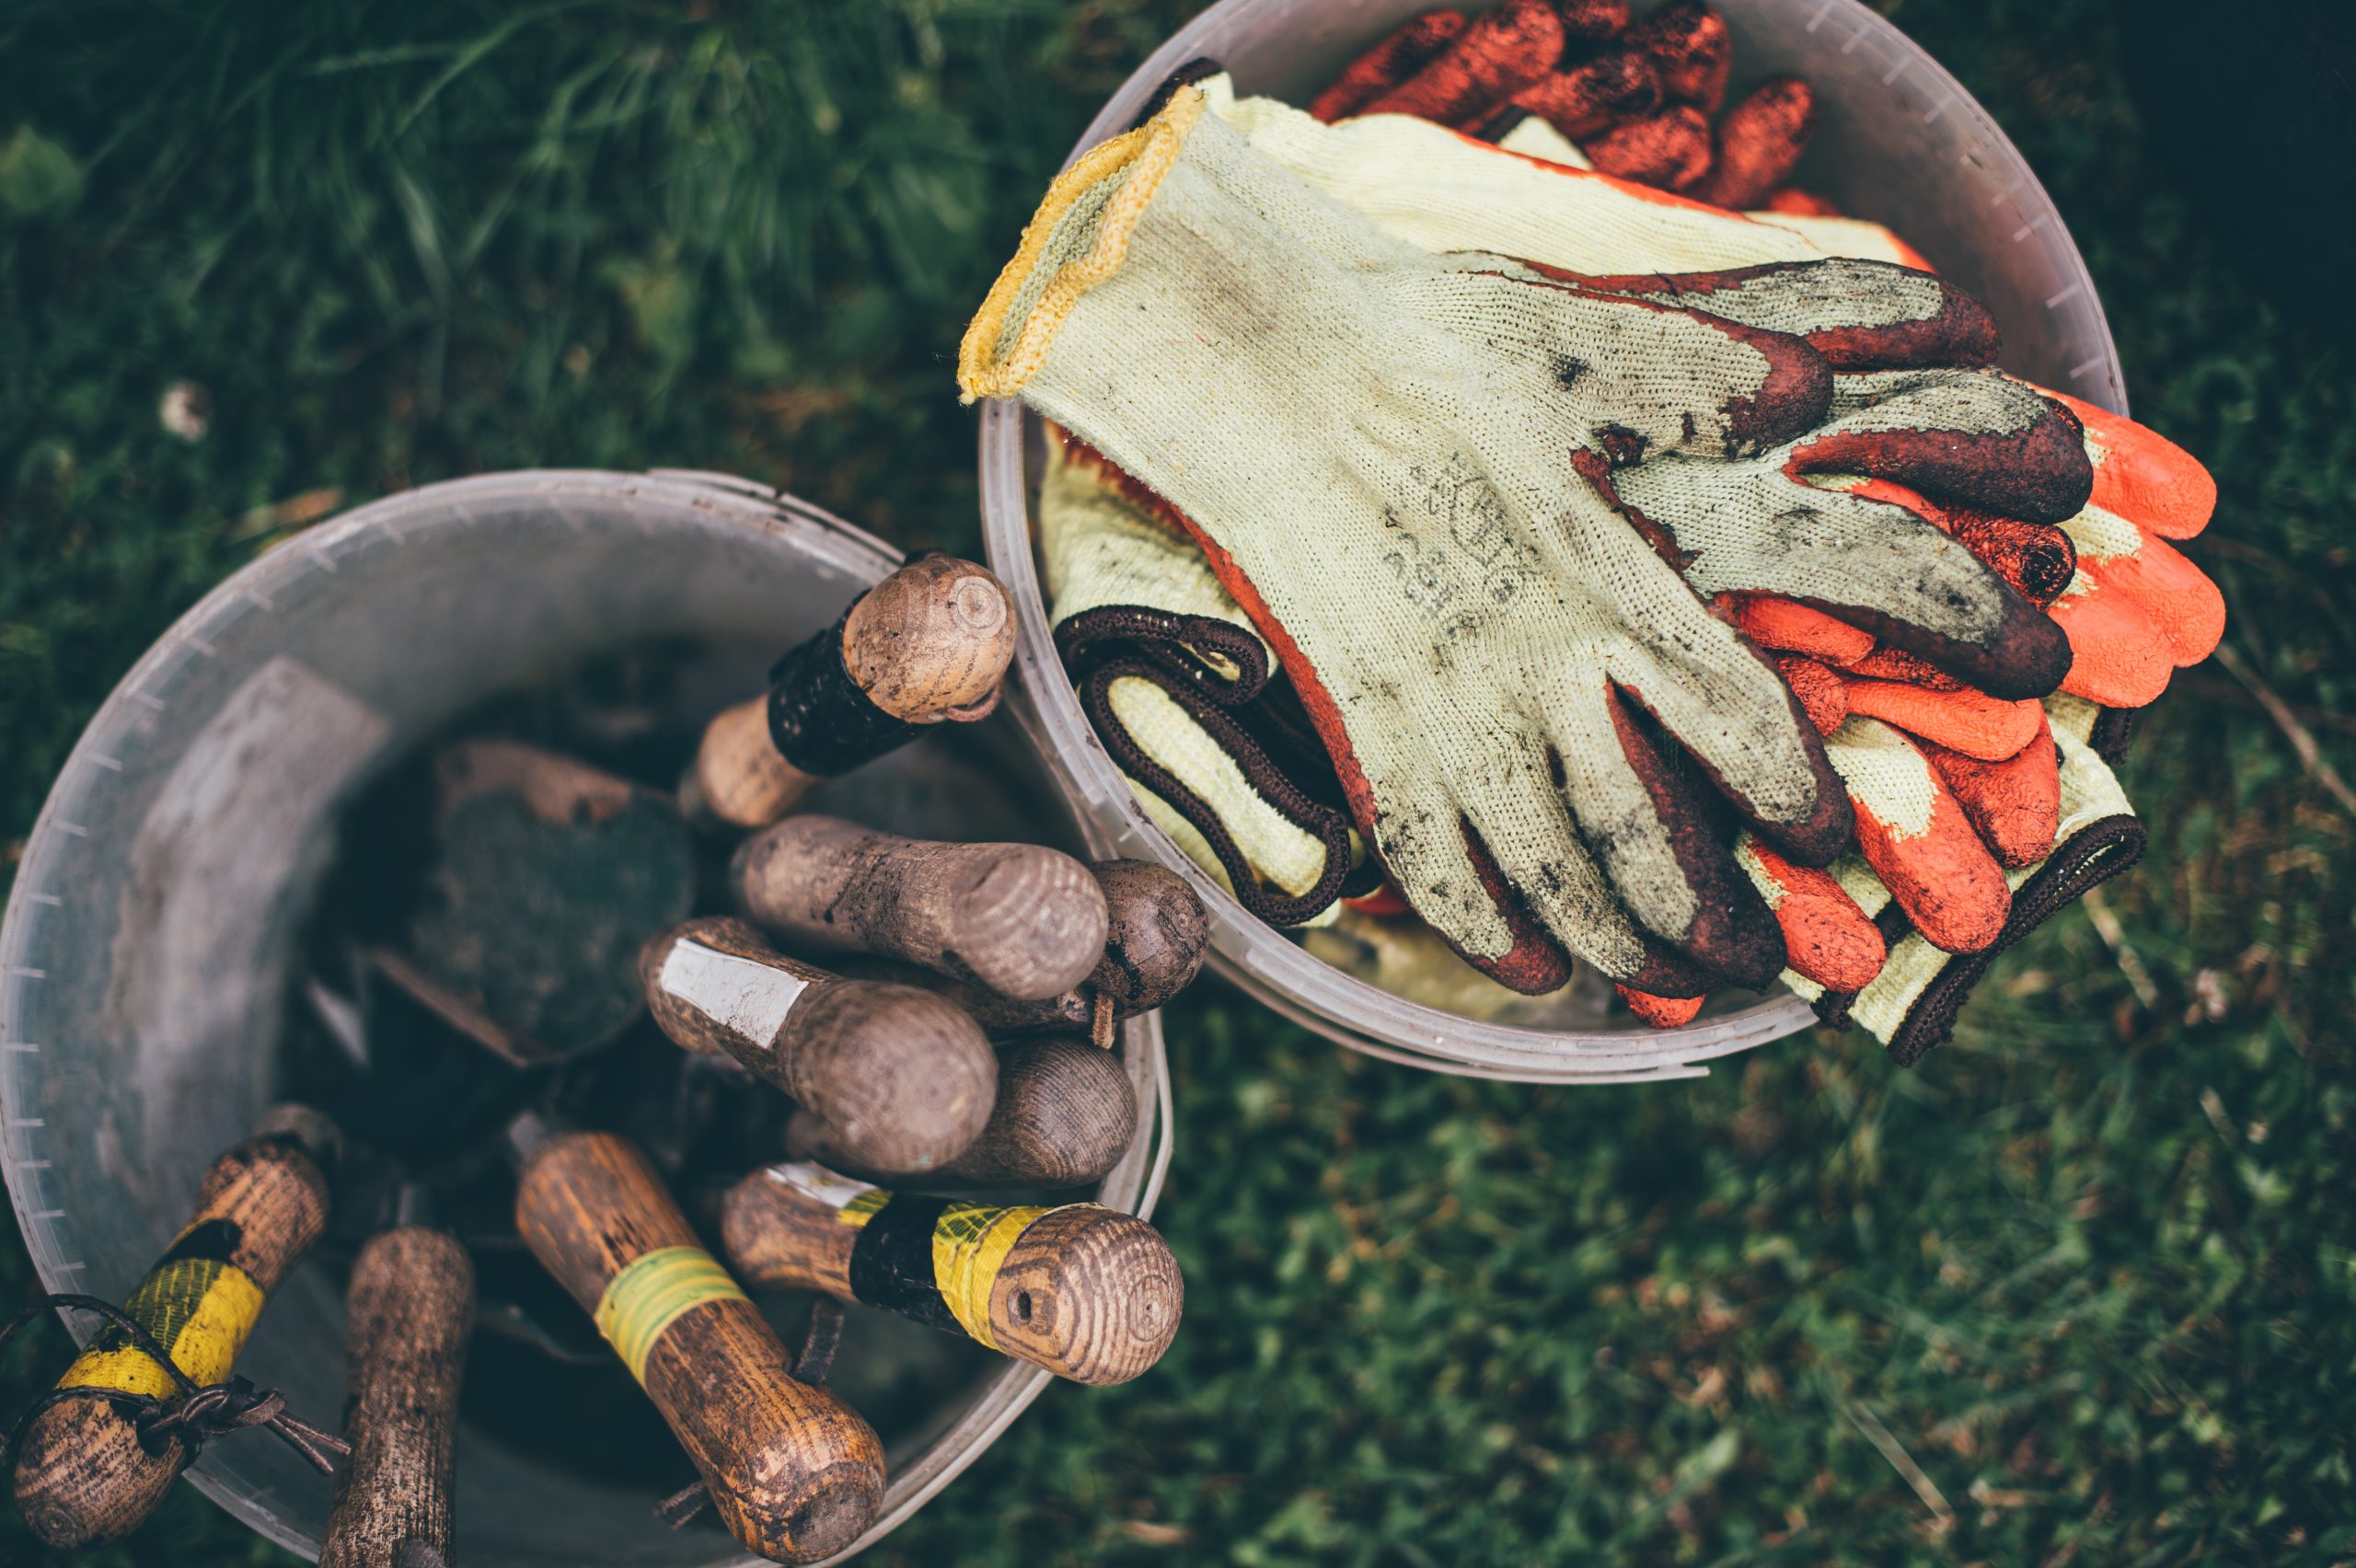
(1091,1293)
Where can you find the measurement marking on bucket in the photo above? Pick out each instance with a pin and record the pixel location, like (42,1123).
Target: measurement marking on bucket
(18,972)
(319,557)
(1895,72)
(202,647)
(156,703)
(26,1121)
(48,898)
(75,828)
(257,595)
(31,1164)
(47,1213)
(2085,368)
(1936,110)
(2055,303)
(27,1046)
(1819,21)
(112,765)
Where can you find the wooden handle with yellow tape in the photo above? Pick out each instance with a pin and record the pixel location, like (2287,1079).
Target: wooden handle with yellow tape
(794,1473)
(83,1476)
(1087,1292)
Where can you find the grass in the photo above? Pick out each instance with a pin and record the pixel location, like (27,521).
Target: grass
(2082,1288)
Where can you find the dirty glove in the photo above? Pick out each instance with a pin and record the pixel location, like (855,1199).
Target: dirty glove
(2136,611)
(1910,1006)
(1393,460)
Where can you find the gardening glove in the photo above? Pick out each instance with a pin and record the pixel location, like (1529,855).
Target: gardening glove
(2139,609)
(1172,678)
(1911,1004)
(1859,946)
(1325,406)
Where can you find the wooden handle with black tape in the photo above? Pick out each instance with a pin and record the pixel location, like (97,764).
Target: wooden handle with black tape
(82,1476)
(1156,936)
(409,1311)
(1064,1116)
(901,1075)
(1087,1292)
(929,642)
(1021,919)
(794,1473)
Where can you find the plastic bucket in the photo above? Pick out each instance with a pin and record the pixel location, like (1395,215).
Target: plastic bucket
(1899,141)
(145,954)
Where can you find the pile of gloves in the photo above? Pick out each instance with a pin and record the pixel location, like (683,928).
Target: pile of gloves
(1581,570)
(1635,99)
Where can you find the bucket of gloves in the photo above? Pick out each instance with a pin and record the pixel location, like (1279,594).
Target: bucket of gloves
(1521,507)
(159,952)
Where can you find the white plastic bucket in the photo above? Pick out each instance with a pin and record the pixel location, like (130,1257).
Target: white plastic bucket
(1899,140)
(145,957)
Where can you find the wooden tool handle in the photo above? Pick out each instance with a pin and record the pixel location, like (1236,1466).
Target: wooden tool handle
(1156,935)
(82,1477)
(933,637)
(411,1307)
(738,781)
(902,1076)
(1089,1293)
(794,1473)
(1064,1116)
(1023,920)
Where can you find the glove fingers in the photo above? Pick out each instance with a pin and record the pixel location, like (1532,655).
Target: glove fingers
(2123,660)
(1918,840)
(1872,563)
(2034,558)
(1660,1012)
(1972,722)
(1722,704)
(1538,870)
(1859,314)
(1790,627)
(1823,696)
(2143,475)
(1969,437)
(1829,939)
(2016,804)
(1658,841)
(1706,385)
(2180,600)
(1388,64)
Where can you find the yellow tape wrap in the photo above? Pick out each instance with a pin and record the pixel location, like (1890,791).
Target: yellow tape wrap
(654,1292)
(970,1242)
(199,1309)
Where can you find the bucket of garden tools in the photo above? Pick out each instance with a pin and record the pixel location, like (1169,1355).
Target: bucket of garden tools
(157,932)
